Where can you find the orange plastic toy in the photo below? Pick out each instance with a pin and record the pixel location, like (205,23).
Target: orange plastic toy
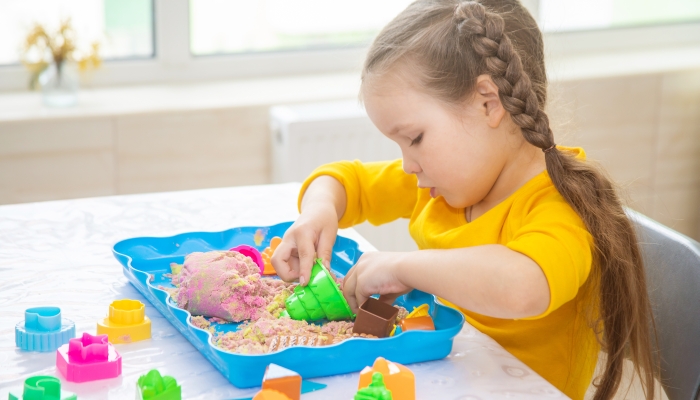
(282,380)
(397,378)
(417,323)
(267,254)
(270,394)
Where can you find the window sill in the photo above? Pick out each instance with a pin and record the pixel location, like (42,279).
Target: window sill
(107,102)
(100,102)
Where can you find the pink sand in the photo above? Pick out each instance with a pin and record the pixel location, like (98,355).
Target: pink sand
(227,285)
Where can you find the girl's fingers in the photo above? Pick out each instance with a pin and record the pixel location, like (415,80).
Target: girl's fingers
(324,250)
(349,285)
(282,261)
(389,298)
(360,296)
(305,248)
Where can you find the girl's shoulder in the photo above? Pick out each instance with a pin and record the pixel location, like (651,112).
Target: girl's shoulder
(542,202)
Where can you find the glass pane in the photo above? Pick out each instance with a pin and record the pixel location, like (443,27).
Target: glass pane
(237,26)
(570,15)
(124,28)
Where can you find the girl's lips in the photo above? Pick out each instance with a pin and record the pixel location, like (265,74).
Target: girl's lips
(433,192)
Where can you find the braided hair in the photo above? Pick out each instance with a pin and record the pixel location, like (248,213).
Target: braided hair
(448,44)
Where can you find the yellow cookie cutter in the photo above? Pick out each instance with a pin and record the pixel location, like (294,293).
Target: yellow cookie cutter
(127,322)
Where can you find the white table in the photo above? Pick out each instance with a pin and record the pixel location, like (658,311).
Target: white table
(59,253)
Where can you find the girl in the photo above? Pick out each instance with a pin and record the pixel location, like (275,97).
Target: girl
(526,238)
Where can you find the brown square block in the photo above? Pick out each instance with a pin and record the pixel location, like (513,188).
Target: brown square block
(375,318)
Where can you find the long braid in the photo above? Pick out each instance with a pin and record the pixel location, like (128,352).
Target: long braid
(485,32)
(623,300)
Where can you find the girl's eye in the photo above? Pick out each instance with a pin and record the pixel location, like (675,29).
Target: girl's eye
(417,139)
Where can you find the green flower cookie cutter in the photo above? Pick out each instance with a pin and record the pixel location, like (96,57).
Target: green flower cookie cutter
(152,386)
(321,298)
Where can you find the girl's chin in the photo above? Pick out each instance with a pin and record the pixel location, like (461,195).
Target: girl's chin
(454,203)
(434,193)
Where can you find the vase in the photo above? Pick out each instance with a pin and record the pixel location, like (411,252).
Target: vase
(59,84)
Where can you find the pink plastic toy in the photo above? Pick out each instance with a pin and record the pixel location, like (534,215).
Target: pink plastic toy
(88,358)
(253,253)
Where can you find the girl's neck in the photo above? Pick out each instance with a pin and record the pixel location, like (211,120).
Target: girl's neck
(527,161)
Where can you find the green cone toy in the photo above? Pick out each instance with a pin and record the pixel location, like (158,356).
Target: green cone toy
(320,299)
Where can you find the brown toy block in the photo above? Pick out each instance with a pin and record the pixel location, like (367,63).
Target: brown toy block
(397,378)
(417,323)
(375,318)
(282,380)
(270,394)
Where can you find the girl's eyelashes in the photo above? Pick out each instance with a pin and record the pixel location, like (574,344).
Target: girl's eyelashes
(417,139)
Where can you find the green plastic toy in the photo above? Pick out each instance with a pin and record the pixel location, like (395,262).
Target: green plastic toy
(375,391)
(152,386)
(321,298)
(42,388)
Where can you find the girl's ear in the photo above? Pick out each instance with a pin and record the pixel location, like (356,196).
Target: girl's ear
(488,102)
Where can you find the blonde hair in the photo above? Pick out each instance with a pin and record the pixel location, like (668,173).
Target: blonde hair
(448,44)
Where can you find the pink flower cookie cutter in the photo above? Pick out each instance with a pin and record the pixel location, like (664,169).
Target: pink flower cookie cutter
(253,253)
(88,358)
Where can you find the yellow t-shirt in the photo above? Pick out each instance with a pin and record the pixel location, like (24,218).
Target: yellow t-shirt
(535,220)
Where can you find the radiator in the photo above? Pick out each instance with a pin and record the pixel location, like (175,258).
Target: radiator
(309,135)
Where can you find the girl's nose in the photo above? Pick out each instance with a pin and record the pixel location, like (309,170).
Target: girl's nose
(409,166)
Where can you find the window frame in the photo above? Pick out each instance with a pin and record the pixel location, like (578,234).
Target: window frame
(173,62)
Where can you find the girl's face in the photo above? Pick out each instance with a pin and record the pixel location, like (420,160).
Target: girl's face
(458,153)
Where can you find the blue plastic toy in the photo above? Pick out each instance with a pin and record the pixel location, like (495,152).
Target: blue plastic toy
(43,330)
(146,260)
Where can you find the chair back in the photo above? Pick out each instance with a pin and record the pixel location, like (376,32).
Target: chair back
(672,263)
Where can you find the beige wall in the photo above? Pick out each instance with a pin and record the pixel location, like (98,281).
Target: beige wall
(644,129)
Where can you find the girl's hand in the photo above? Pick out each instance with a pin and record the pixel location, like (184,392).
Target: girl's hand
(312,235)
(374,273)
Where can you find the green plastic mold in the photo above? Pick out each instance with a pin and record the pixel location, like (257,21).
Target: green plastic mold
(152,386)
(42,388)
(375,391)
(321,298)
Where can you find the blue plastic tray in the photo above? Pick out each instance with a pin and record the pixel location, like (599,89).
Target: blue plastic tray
(146,257)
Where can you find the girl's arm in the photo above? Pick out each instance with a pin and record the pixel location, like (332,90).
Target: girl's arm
(491,280)
(342,194)
(313,233)
(325,190)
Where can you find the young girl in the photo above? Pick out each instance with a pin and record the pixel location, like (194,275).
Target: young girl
(526,238)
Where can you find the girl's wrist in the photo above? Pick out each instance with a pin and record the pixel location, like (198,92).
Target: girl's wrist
(321,206)
(401,267)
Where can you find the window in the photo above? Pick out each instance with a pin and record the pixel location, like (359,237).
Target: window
(240,26)
(159,41)
(572,15)
(124,28)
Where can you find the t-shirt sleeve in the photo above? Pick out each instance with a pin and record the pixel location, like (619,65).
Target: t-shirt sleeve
(378,192)
(554,236)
